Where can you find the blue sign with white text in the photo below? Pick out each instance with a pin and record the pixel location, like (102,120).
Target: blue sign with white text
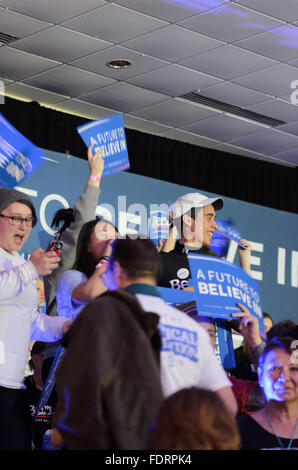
(220,285)
(107,135)
(159,225)
(18,156)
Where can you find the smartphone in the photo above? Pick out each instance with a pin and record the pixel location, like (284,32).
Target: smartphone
(55,245)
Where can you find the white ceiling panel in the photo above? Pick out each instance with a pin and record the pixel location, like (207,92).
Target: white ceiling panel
(230,23)
(286,10)
(143,125)
(164,10)
(290,156)
(228,62)
(274,81)
(291,128)
(174,80)
(189,137)
(234,94)
(18,65)
(278,109)
(123,97)
(175,113)
(60,44)
(173,43)
(242,53)
(279,44)
(223,128)
(114,23)
(54,11)
(140,63)
(29,93)
(19,25)
(269,142)
(86,110)
(69,81)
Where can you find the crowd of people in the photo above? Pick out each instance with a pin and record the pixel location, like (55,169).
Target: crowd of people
(136,372)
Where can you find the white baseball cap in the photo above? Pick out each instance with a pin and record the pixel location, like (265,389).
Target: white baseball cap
(184,203)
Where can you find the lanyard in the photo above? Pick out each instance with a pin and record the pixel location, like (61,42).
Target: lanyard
(277,437)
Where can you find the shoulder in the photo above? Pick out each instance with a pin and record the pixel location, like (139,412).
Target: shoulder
(71,276)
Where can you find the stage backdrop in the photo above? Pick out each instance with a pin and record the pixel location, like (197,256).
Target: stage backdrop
(127,200)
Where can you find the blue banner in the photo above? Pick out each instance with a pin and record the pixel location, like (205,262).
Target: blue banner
(18,156)
(224,344)
(220,285)
(107,135)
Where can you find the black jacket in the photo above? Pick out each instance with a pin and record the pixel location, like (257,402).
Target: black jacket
(108,382)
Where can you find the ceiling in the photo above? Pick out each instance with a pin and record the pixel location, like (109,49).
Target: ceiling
(243,53)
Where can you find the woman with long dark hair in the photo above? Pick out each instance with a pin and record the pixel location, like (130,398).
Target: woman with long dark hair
(84,282)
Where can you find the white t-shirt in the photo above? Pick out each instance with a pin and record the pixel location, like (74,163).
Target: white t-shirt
(187,358)
(66,305)
(20,320)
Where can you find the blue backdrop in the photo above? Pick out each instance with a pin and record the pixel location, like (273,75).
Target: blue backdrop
(60,179)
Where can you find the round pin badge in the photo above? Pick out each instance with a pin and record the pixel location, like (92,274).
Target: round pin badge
(183,273)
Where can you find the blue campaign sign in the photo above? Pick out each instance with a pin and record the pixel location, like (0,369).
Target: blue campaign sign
(224,344)
(18,156)
(107,135)
(159,225)
(220,285)
(184,301)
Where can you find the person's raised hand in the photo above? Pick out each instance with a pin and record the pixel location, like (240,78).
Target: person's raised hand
(248,326)
(96,162)
(44,261)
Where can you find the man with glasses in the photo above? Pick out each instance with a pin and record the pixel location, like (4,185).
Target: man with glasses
(20,320)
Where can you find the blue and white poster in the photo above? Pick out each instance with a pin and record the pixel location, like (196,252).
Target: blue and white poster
(220,285)
(159,225)
(107,136)
(221,238)
(18,156)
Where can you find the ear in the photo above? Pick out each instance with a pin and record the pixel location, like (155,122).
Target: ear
(260,375)
(187,219)
(119,273)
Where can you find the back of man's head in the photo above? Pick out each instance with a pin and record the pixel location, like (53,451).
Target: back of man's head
(139,258)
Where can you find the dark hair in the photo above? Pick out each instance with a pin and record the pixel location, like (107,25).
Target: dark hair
(64,216)
(30,205)
(84,261)
(282,328)
(279,342)
(138,257)
(194,419)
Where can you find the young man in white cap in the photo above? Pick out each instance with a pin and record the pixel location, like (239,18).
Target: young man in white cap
(193,216)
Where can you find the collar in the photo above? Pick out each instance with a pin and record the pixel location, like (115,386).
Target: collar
(145,289)
(184,249)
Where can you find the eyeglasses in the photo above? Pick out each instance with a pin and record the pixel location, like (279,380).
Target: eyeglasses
(16,220)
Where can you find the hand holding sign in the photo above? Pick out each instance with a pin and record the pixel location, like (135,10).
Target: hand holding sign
(107,136)
(96,162)
(248,326)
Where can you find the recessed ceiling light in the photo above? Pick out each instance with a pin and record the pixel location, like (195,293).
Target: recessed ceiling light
(119,64)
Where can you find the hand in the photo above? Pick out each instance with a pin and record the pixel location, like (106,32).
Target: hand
(244,255)
(96,162)
(249,326)
(44,261)
(66,325)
